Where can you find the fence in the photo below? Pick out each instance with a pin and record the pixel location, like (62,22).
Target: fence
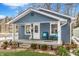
(76,32)
(9,36)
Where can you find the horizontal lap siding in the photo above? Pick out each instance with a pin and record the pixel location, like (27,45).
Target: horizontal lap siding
(65,33)
(44,27)
(31,19)
(36,18)
(22,33)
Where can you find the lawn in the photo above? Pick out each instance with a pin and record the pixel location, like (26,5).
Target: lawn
(22,53)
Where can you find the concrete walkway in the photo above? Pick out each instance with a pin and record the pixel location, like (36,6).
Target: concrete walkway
(72,54)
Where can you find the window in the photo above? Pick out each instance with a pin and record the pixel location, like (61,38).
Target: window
(17,28)
(27,29)
(36,28)
(54,28)
(32,14)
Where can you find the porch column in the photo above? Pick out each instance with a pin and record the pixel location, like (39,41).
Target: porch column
(59,33)
(14,31)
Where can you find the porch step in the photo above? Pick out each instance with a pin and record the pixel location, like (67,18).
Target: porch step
(24,45)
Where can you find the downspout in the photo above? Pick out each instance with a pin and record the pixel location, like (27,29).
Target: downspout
(71,28)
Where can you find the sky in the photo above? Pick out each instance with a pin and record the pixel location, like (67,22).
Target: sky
(12,9)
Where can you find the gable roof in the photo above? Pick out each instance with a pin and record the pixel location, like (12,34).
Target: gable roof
(40,12)
(56,13)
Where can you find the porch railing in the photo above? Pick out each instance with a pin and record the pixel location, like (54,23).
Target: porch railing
(10,36)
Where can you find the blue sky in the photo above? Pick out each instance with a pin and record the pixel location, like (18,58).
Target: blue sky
(11,9)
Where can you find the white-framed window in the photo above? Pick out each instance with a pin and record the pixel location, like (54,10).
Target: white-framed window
(36,29)
(53,28)
(27,29)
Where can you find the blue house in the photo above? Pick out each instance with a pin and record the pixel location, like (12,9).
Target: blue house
(43,24)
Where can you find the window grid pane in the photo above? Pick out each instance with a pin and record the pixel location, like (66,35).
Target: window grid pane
(54,28)
(36,28)
(27,28)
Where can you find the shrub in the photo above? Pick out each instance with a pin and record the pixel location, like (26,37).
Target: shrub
(14,44)
(34,46)
(74,46)
(62,51)
(10,42)
(67,46)
(4,45)
(76,52)
(54,48)
(44,47)
(70,46)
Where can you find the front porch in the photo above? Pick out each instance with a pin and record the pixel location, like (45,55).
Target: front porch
(46,42)
(33,32)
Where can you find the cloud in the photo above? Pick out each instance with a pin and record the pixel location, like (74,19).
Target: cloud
(14,4)
(2,16)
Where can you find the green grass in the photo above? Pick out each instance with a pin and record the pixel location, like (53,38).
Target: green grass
(22,53)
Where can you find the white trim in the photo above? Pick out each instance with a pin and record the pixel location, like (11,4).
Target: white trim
(58,30)
(64,23)
(20,16)
(40,22)
(43,13)
(57,13)
(50,27)
(49,15)
(71,30)
(36,34)
(59,33)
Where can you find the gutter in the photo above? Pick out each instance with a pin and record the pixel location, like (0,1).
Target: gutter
(64,23)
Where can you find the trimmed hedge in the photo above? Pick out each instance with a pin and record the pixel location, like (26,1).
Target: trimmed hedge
(44,47)
(34,46)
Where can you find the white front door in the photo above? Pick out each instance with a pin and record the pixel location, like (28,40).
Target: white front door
(36,31)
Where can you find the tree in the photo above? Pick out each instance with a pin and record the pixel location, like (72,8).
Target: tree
(41,5)
(77,21)
(70,9)
(58,7)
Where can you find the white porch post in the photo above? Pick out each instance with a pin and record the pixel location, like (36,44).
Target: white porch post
(59,33)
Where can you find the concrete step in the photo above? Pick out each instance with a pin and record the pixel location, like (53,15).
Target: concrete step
(25,45)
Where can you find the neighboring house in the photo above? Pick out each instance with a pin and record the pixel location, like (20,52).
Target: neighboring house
(6,29)
(35,24)
(76,32)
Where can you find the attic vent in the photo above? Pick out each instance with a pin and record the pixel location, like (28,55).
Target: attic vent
(32,14)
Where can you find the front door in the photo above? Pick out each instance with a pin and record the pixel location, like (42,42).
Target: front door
(36,31)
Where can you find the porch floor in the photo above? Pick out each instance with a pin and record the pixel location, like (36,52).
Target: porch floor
(47,42)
